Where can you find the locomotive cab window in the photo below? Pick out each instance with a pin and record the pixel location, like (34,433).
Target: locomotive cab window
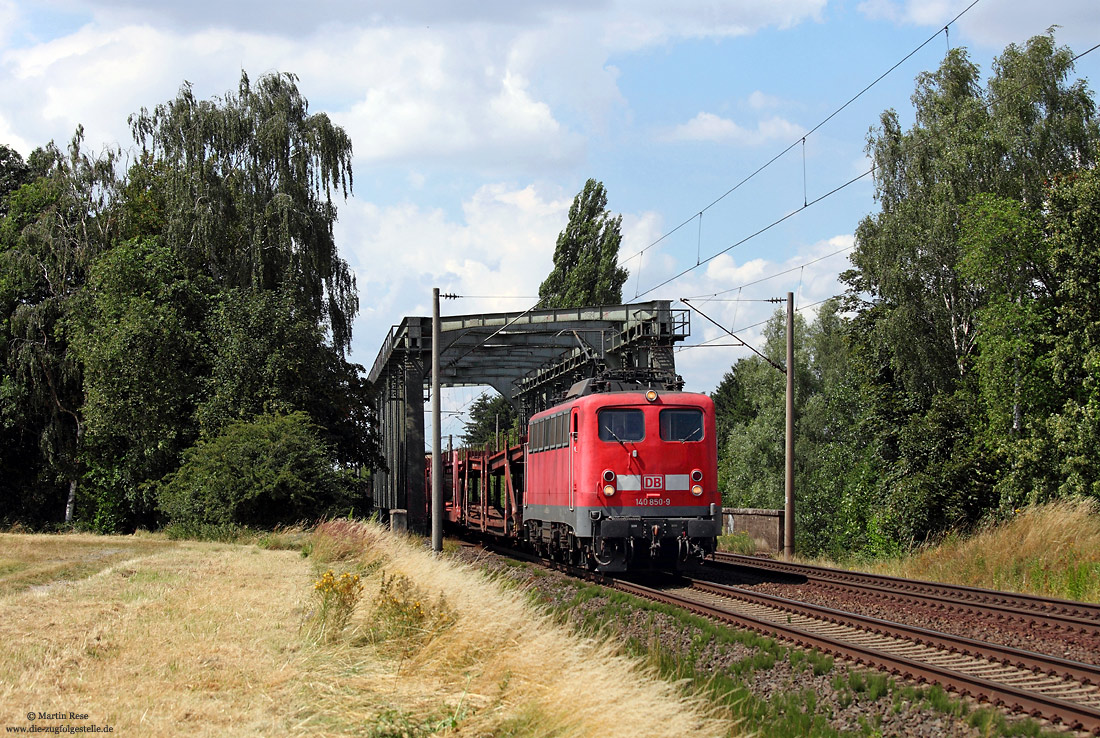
(621,424)
(681,424)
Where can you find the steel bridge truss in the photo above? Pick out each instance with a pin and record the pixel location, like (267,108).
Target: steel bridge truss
(532,358)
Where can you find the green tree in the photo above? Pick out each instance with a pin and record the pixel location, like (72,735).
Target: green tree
(731,406)
(753,464)
(246,193)
(918,291)
(145,312)
(269,358)
(1043,122)
(138,333)
(1039,338)
(488,413)
(14,173)
(586,255)
(55,227)
(905,255)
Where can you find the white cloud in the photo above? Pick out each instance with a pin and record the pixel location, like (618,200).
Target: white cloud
(723,269)
(635,24)
(9,20)
(998,25)
(759,101)
(881,10)
(713,128)
(502,246)
(628,23)
(734,294)
(403,95)
(639,231)
(293,19)
(10,138)
(995,24)
(479,86)
(97,77)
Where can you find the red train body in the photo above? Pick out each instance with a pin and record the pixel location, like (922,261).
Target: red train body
(615,480)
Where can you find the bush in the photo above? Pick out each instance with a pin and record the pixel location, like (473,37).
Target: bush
(268,471)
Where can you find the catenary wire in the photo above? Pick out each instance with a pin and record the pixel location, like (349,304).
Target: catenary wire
(711,297)
(746,179)
(711,343)
(763,230)
(802,138)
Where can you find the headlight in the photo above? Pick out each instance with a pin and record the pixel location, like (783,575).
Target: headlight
(608,476)
(696,475)
(609,490)
(651,395)
(697,490)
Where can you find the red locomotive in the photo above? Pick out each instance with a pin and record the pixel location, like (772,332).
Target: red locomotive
(616,480)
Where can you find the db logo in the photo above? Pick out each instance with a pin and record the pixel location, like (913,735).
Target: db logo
(653,481)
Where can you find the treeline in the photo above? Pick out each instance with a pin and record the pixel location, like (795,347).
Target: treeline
(174,326)
(959,376)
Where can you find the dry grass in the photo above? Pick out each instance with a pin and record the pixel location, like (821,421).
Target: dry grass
(212,639)
(481,663)
(1051,550)
(184,637)
(37,560)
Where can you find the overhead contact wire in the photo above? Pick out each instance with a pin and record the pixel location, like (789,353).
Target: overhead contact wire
(765,229)
(832,115)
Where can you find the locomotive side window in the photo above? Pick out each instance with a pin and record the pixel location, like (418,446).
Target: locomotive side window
(681,425)
(621,424)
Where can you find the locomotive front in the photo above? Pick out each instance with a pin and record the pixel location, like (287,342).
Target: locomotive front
(638,481)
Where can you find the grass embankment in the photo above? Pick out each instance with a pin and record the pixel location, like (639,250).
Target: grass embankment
(151,636)
(30,560)
(440,646)
(1050,550)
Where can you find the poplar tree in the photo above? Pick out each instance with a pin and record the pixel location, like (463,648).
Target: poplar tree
(586,256)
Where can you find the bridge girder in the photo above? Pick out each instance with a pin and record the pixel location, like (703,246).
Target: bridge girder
(530,357)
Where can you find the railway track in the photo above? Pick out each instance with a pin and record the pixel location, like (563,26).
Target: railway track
(1043,686)
(1030,609)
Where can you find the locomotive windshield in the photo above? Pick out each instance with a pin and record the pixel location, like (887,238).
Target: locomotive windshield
(620,424)
(681,425)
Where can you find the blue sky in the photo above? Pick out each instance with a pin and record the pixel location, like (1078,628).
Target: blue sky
(474,124)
